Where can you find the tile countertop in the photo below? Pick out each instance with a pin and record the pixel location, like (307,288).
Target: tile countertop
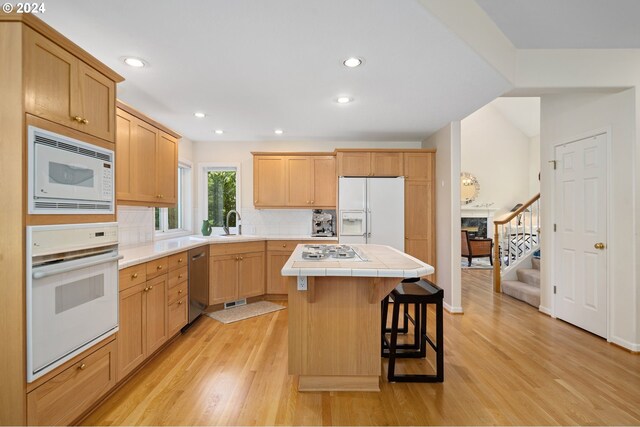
(150,251)
(379,261)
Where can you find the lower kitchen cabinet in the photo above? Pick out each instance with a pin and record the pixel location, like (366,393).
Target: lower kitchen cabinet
(65,397)
(156,313)
(151,311)
(236,271)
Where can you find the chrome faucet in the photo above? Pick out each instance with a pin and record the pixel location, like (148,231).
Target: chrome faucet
(225,227)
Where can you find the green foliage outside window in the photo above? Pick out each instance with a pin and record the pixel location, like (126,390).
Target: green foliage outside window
(221,197)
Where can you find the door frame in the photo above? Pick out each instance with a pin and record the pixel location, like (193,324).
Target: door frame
(606,131)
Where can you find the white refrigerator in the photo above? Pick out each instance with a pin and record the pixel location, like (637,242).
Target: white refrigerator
(371,210)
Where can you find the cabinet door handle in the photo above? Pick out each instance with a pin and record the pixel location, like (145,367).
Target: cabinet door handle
(255,201)
(180,302)
(82,367)
(150,287)
(180,291)
(85,121)
(284,246)
(179,276)
(312,202)
(134,276)
(146,289)
(77,119)
(179,259)
(159,267)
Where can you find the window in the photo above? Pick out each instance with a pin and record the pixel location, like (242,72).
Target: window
(176,219)
(222,194)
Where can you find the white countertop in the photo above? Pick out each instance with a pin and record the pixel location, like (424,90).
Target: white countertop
(142,253)
(379,261)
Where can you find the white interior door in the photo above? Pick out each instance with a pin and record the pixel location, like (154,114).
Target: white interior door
(581,233)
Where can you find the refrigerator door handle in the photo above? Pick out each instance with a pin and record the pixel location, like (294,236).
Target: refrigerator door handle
(369,225)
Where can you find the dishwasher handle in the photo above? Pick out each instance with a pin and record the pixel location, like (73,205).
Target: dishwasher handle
(200,255)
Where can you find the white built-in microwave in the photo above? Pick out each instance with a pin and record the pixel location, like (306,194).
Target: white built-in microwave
(67,176)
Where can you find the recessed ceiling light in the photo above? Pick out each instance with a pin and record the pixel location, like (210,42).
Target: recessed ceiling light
(134,62)
(278,131)
(344,99)
(219,131)
(199,115)
(352,62)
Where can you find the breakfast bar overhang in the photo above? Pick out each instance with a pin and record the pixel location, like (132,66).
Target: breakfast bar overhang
(335,315)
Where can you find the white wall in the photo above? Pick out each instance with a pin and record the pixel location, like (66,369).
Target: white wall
(564,118)
(270,221)
(534,165)
(447,144)
(497,153)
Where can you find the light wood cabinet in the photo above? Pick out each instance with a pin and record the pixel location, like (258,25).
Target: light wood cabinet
(386,164)
(324,183)
(294,181)
(147,160)
(370,163)
(354,163)
(66,396)
(153,308)
(251,275)
(236,271)
(278,252)
(132,343)
(62,88)
(419,209)
(156,313)
(269,181)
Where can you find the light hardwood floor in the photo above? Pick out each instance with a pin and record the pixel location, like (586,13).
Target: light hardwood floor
(505,363)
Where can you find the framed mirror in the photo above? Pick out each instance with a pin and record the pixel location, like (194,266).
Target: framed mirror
(469,188)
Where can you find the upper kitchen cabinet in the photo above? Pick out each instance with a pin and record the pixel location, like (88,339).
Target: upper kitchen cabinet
(269,181)
(356,163)
(370,163)
(294,181)
(419,166)
(146,160)
(62,88)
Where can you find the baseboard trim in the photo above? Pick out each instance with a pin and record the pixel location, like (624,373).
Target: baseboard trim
(452,310)
(545,310)
(626,345)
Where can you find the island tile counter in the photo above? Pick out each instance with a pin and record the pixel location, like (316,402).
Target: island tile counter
(335,315)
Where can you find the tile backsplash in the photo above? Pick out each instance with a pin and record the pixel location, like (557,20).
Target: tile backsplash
(135,225)
(276,221)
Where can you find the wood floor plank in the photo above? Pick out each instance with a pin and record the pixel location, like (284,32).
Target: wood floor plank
(505,363)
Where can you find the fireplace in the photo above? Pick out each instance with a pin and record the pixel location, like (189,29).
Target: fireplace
(477,227)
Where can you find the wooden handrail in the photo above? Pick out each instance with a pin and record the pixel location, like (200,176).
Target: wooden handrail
(518,211)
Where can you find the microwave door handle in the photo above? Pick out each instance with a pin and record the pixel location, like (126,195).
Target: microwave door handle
(53,270)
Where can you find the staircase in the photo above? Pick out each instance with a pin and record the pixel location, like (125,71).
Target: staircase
(527,287)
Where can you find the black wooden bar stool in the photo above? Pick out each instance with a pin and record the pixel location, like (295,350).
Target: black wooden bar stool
(419,293)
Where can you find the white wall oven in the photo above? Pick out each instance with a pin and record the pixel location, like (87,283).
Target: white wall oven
(72,291)
(67,176)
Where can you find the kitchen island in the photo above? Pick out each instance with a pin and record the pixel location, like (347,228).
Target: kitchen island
(334,312)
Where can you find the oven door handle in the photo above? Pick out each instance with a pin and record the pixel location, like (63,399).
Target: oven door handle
(47,271)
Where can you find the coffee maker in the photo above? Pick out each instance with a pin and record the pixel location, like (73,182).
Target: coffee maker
(323,223)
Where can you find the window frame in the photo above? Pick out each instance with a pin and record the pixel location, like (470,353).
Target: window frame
(184,197)
(203,169)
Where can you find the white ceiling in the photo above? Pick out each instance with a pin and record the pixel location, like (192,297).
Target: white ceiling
(255,65)
(570,24)
(522,112)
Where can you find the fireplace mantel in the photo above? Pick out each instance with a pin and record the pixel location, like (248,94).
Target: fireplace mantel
(479,212)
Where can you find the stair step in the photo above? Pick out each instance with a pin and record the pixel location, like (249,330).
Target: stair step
(522,291)
(529,276)
(535,263)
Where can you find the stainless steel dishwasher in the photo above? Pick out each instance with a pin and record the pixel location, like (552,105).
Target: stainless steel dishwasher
(198,282)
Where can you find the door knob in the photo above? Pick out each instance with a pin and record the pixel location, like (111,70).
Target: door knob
(599,245)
